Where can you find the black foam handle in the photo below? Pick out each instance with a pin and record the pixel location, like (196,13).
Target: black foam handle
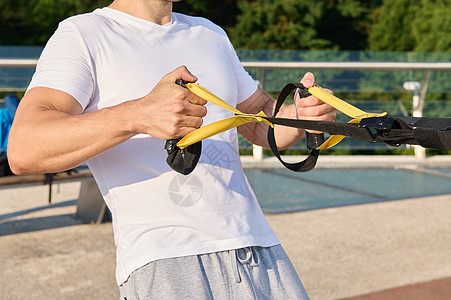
(170,144)
(314,140)
(182,83)
(182,160)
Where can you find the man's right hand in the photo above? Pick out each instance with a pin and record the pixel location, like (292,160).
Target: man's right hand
(169,111)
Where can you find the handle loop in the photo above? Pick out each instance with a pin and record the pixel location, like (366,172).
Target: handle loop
(310,162)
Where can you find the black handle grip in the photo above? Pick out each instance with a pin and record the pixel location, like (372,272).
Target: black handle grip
(182,160)
(171,144)
(314,140)
(182,83)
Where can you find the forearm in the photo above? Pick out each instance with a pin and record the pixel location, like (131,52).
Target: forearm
(287,136)
(256,133)
(54,141)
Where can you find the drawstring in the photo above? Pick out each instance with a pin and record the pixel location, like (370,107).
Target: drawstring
(248,256)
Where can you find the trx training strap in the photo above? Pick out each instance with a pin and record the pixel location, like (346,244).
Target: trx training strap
(184,153)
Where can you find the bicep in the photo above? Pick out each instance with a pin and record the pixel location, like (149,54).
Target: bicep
(42,99)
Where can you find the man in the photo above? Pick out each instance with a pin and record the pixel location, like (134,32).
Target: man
(100,94)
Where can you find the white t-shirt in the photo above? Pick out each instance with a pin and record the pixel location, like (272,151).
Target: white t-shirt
(107,57)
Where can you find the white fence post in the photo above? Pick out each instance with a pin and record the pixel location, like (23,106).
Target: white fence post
(417,111)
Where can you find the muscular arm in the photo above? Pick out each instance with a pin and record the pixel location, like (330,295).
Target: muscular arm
(306,108)
(49,134)
(256,132)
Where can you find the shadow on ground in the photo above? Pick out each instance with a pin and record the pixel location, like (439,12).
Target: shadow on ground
(15,222)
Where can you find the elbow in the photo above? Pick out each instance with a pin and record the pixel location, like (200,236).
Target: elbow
(19,160)
(29,162)
(16,156)
(17,164)
(21,166)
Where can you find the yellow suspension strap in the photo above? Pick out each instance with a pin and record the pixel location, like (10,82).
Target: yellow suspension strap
(355,113)
(330,127)
(241,118)
(184,160)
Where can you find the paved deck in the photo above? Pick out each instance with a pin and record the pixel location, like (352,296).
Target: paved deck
(388,250)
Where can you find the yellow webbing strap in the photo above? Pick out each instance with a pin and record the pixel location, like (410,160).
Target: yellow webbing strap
(221,125)
(241,118)
(355,113)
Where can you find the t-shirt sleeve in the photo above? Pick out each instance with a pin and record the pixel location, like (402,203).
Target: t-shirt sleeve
(65,64)
(245,83)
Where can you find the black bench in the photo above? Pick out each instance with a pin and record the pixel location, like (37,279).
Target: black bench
(90,205)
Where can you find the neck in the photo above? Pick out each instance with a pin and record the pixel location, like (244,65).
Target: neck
(155,11)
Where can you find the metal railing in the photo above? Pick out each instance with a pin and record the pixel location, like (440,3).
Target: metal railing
(348,65)
(262,66)
(18,63)
(418,97)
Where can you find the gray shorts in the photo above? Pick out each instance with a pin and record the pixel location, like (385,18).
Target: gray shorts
(247,273)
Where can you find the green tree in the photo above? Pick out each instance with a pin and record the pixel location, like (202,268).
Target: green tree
(431,28)
(422,29)
(268,24)
(222,13)
(405,25)
(302,24)
(345,23)
(392,28)
(32,22)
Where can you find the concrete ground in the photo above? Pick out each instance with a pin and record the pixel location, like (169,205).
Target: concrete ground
(386,250)
(355,250)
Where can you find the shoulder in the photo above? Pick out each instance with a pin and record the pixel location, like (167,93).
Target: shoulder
(193,21)
(85,22)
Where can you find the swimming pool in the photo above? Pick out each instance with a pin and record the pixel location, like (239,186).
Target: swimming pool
(281,190)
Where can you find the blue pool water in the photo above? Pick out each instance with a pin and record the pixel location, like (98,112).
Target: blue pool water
(281,190)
